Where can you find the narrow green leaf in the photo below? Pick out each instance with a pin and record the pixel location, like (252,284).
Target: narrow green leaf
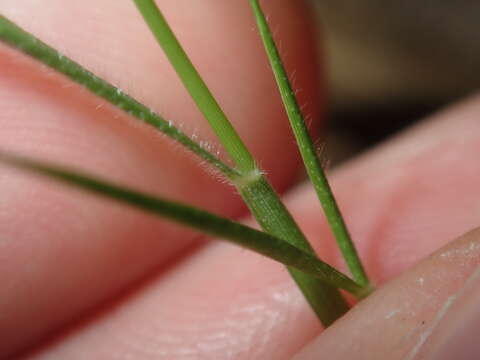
(195,85)
(18,38)
(307,150)
(196,218)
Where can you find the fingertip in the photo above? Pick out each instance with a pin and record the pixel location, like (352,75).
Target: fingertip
(398,320)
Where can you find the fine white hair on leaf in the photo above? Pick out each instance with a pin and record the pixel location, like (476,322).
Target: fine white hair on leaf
(308,120)
(303,106)
(213,172)
(175,145)
(293,77)
(68,85)
(321,150)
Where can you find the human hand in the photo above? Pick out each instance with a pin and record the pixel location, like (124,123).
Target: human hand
(70,258)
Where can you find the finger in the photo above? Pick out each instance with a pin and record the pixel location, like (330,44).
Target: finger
(63,252)
(225,300)
(414,316)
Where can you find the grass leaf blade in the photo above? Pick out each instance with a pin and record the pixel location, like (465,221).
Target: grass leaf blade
(196,218)
(195,85)
(308,152)
(14,36)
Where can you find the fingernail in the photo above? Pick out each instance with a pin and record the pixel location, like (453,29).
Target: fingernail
(457,334)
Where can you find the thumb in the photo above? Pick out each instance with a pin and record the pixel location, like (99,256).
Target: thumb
(430,312)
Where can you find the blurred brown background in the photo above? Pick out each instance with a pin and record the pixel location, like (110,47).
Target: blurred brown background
(392,62)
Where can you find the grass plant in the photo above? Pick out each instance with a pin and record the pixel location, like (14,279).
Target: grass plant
(281,238)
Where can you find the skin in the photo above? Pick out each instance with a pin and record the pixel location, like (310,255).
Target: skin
(104,281)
